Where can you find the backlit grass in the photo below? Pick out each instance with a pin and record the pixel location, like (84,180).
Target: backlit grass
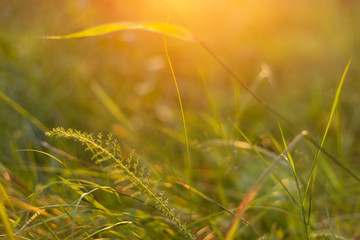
(179,120)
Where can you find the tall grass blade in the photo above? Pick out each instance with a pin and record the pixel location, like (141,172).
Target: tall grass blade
(188,159)
(291,161)
(313,170)
(163,28)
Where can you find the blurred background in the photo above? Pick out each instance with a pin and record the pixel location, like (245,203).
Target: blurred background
(291,53)
(298,49)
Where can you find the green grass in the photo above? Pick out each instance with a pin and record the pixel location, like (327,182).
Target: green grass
(245,126)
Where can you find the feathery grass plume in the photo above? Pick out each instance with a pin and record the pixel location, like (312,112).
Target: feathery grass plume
(125,170)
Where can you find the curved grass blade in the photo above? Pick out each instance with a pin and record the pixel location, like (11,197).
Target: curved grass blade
(44,153)
(108,228)
(76,209)
(163,28)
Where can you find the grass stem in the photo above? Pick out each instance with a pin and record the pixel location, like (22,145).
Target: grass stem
(188,162)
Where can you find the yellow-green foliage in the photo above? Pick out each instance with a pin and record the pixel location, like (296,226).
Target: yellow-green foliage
(125,171)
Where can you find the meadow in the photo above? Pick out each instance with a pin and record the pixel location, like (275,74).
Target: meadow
(180,119)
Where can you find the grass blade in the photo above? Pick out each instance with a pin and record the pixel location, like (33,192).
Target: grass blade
(291,161)
(188,159)
(251,194)
(197,192)
(163,28)
(313,170)
(271,109)
(107,228)
(49,228)
(258,151)
(76,210)
(46,154)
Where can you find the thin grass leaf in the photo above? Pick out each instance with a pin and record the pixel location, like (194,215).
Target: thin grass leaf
(107,228)
(32,218)
(162,28)
(89,198)
(45,153)
(217,125)
(258,151)
(64,154)
(301,206)
(49,228)
(313,171)
(335,102)
(251,194)
(51,219)
(197,192)
(238,144)
(76,208)
(48,185)
(188,163)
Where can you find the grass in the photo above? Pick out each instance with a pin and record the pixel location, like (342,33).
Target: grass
(257,139)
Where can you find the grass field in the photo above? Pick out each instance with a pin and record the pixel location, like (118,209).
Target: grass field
(180,119)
